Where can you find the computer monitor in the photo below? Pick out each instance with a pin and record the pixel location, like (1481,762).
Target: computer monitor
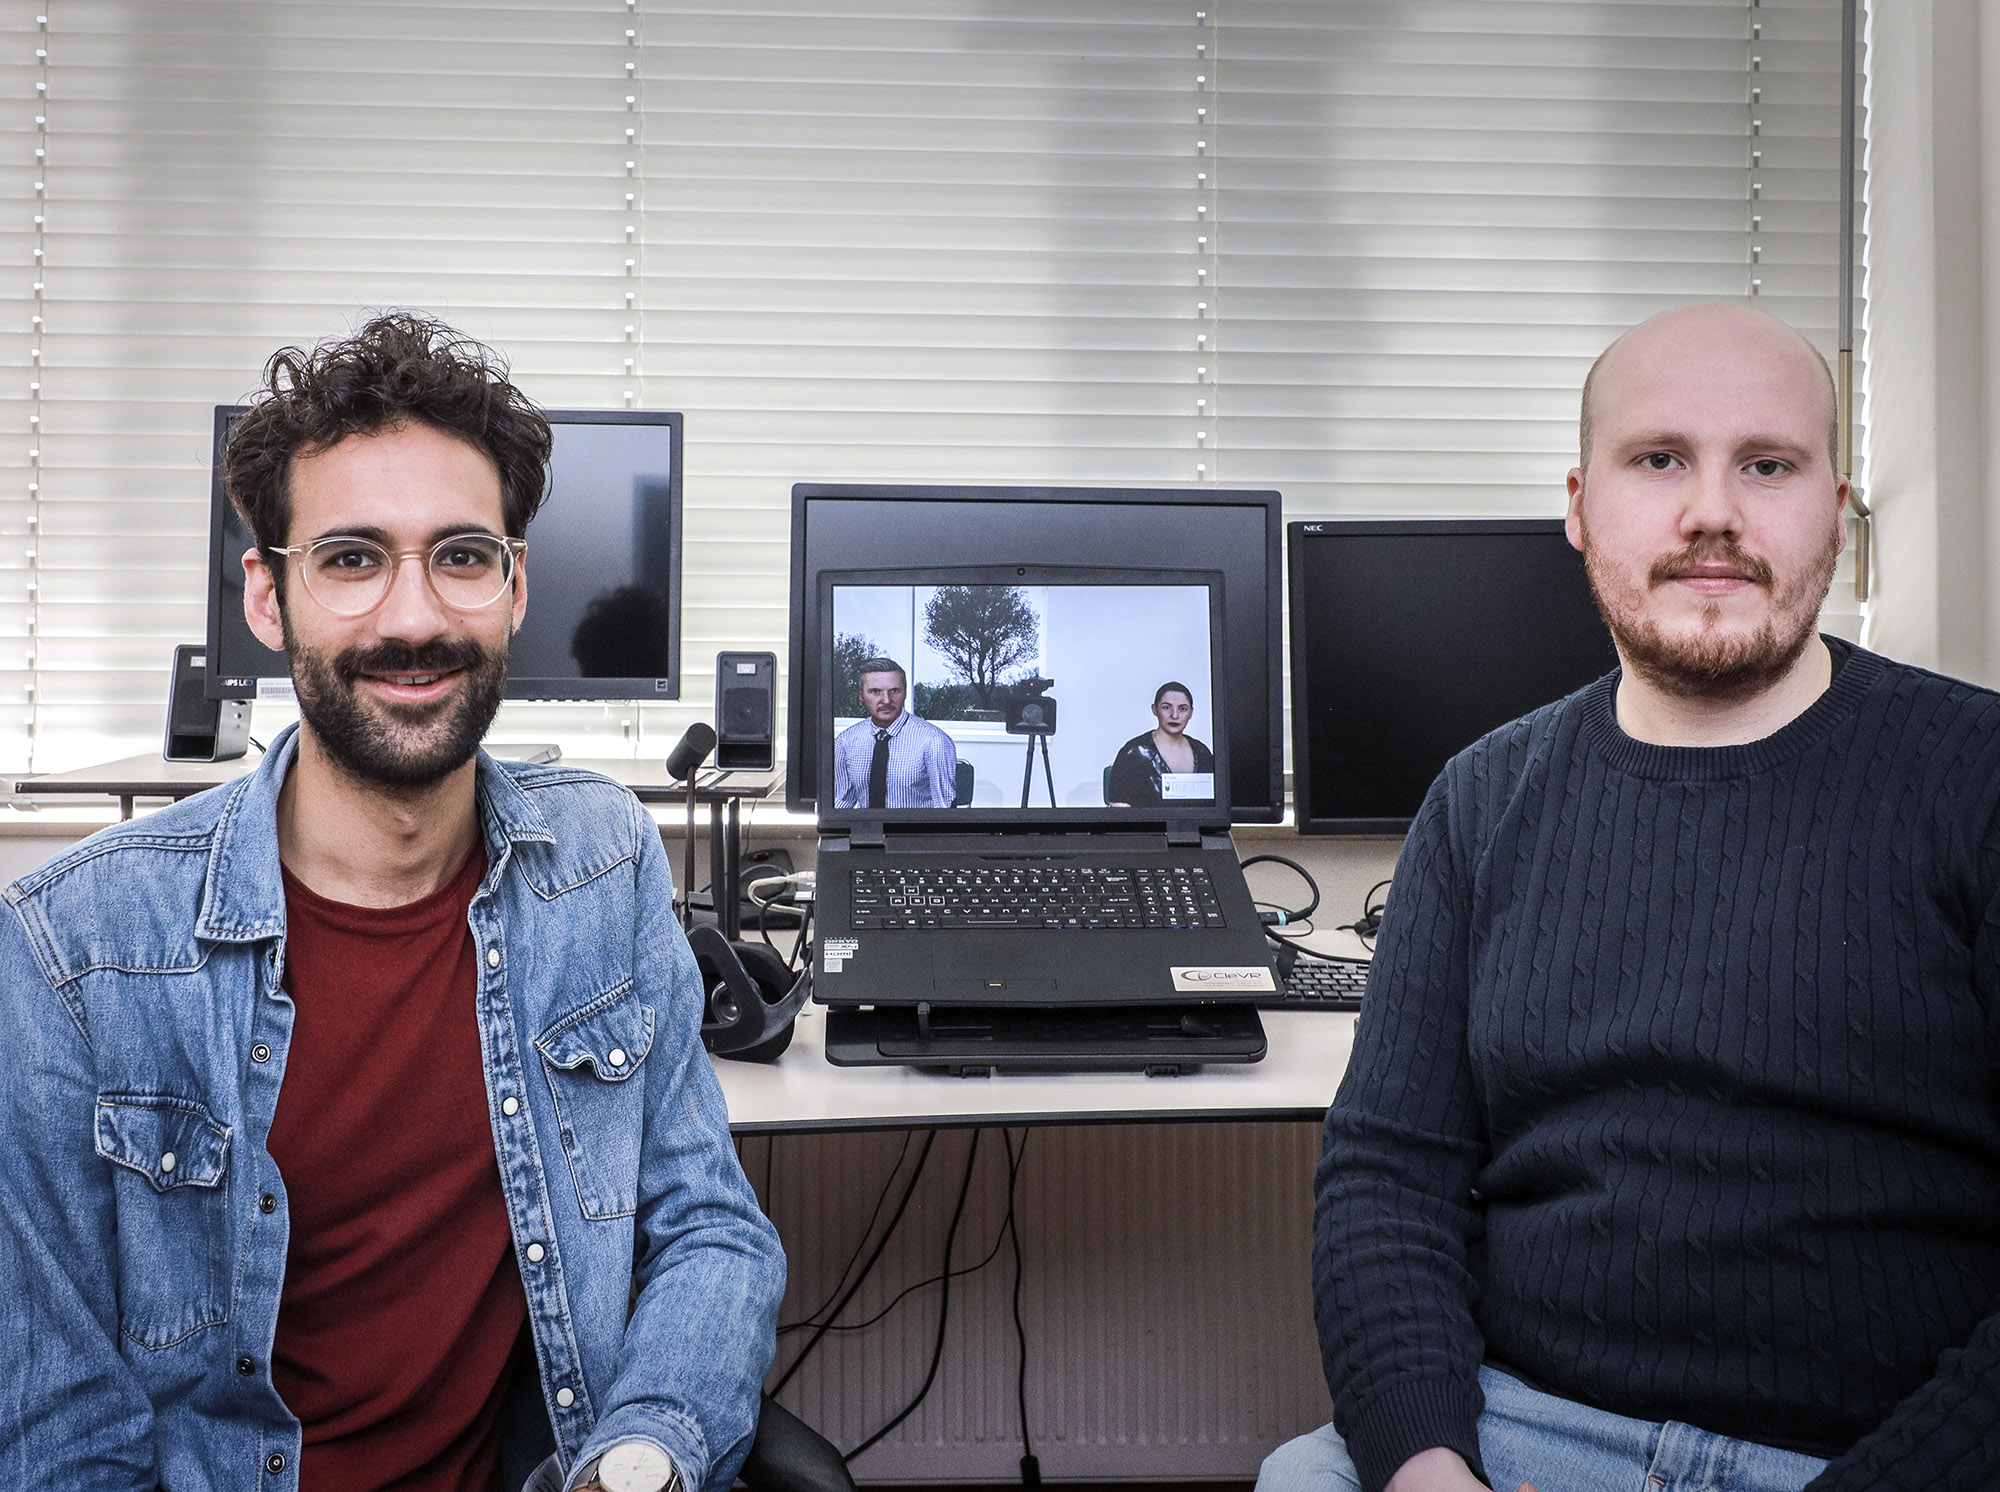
(603,564)
(1413,638)
(1236,533)
(1034,691)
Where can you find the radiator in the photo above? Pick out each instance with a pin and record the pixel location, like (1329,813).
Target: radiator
(1166,1295)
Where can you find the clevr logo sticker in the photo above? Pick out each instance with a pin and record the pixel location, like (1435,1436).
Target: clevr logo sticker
(1220,979)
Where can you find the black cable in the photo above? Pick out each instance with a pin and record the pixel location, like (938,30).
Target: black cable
(944,1308)
(999,1241)
(930,1138)
(1371,915)
(1031,1469)
(1297,869)
(811,1318)
(1303,951)
(803,944)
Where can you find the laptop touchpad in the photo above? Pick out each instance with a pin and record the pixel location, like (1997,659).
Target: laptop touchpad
(970,991)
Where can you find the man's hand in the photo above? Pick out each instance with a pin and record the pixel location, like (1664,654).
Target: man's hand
(1438,1470)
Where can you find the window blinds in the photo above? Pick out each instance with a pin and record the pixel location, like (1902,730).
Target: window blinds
(1359,252)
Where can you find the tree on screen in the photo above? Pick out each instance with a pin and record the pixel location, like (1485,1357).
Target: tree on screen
(982,631)
(850,650)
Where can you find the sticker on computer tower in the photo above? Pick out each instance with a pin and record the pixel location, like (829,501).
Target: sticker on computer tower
(835,952)
(1222,979)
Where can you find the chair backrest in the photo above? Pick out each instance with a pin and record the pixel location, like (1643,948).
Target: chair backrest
(962,791)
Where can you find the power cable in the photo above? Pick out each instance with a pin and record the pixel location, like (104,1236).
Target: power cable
(1031,1469)
(811,1317)
(909,1190)
(944,1309)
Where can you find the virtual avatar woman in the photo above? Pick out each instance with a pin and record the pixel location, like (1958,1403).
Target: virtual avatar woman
(1135,771)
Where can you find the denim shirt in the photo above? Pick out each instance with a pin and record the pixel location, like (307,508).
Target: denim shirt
(144,1027)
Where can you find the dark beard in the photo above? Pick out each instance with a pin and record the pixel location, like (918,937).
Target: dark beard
(406,748)
(1709,665)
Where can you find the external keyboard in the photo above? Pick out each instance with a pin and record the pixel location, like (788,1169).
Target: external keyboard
(1060,897)
(1316,984)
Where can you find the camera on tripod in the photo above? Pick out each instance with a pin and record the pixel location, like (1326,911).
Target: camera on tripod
(1030,711)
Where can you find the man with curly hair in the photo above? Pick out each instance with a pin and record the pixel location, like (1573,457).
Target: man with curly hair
(355,1129)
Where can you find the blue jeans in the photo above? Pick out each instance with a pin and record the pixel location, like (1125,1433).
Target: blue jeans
(1526,1436)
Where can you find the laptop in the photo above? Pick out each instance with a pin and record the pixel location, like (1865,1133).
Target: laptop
(1024,855)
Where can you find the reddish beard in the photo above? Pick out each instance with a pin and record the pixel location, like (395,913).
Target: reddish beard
(1712,662)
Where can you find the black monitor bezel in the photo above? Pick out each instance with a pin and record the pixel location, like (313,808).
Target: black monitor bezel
(1194,816)
(216,686)
(1270,811)
(1305,819)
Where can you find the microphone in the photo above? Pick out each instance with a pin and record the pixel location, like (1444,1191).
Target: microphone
(693,749)
(682,763)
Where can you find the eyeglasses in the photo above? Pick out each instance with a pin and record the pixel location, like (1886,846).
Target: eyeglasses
(351,577)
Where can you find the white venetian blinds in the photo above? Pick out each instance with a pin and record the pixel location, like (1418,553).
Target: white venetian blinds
(1359,252)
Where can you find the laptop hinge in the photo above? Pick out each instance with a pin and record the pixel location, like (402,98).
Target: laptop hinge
(866,835)
(1185,833)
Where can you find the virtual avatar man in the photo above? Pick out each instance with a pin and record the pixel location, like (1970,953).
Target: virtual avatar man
(343,1108)
(892,759)
(1669,1153)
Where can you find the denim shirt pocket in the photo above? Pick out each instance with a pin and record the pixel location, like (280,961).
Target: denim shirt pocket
(592,1057)
(170,1159)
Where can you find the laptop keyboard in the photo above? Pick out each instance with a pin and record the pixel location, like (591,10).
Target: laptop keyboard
(1063,897)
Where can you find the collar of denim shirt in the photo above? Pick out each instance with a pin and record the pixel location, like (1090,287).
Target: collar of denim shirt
(243,899)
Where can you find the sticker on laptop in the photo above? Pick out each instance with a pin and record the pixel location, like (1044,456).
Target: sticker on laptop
(835,952)
(1222,979)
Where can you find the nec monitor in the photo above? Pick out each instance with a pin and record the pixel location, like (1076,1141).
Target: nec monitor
(1239,534)
(1413,638)
(1021,695)
(603,566)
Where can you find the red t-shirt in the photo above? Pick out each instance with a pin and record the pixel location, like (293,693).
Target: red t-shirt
(402,1300)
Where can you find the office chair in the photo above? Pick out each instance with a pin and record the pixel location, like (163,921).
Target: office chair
(789,1455)
(786,1454)
(962,786)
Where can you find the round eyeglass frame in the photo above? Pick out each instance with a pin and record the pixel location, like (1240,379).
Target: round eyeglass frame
(511,551)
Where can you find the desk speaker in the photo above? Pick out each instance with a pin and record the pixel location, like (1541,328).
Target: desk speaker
(200,729)
(746,711)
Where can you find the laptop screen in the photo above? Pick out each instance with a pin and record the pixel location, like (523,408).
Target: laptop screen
(1022,694)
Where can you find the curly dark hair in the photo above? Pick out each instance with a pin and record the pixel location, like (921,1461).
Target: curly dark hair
(401,366)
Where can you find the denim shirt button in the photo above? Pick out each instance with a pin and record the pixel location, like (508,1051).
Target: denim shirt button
(564,1398)
(535,1252)
(493,958)
(617,1056)
(260,1053)
(267,1203)
(274,1463)
(245,1366)
(510,1106)
(167,1163)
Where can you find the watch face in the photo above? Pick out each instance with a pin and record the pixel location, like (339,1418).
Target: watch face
(634,1466)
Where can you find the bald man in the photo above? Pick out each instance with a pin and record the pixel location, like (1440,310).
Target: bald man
(1669,1154)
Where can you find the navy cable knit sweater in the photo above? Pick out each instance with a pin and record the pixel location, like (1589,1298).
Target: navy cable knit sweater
(1677,1090)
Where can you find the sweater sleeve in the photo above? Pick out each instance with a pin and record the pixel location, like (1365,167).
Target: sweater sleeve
(1944,1438)
(1946,1435)
(1395,1212)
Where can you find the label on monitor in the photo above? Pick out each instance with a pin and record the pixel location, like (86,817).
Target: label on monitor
(1198,787)
(1218,979)
(279,691)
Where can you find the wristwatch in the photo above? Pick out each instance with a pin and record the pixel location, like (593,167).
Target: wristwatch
(635,1466)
